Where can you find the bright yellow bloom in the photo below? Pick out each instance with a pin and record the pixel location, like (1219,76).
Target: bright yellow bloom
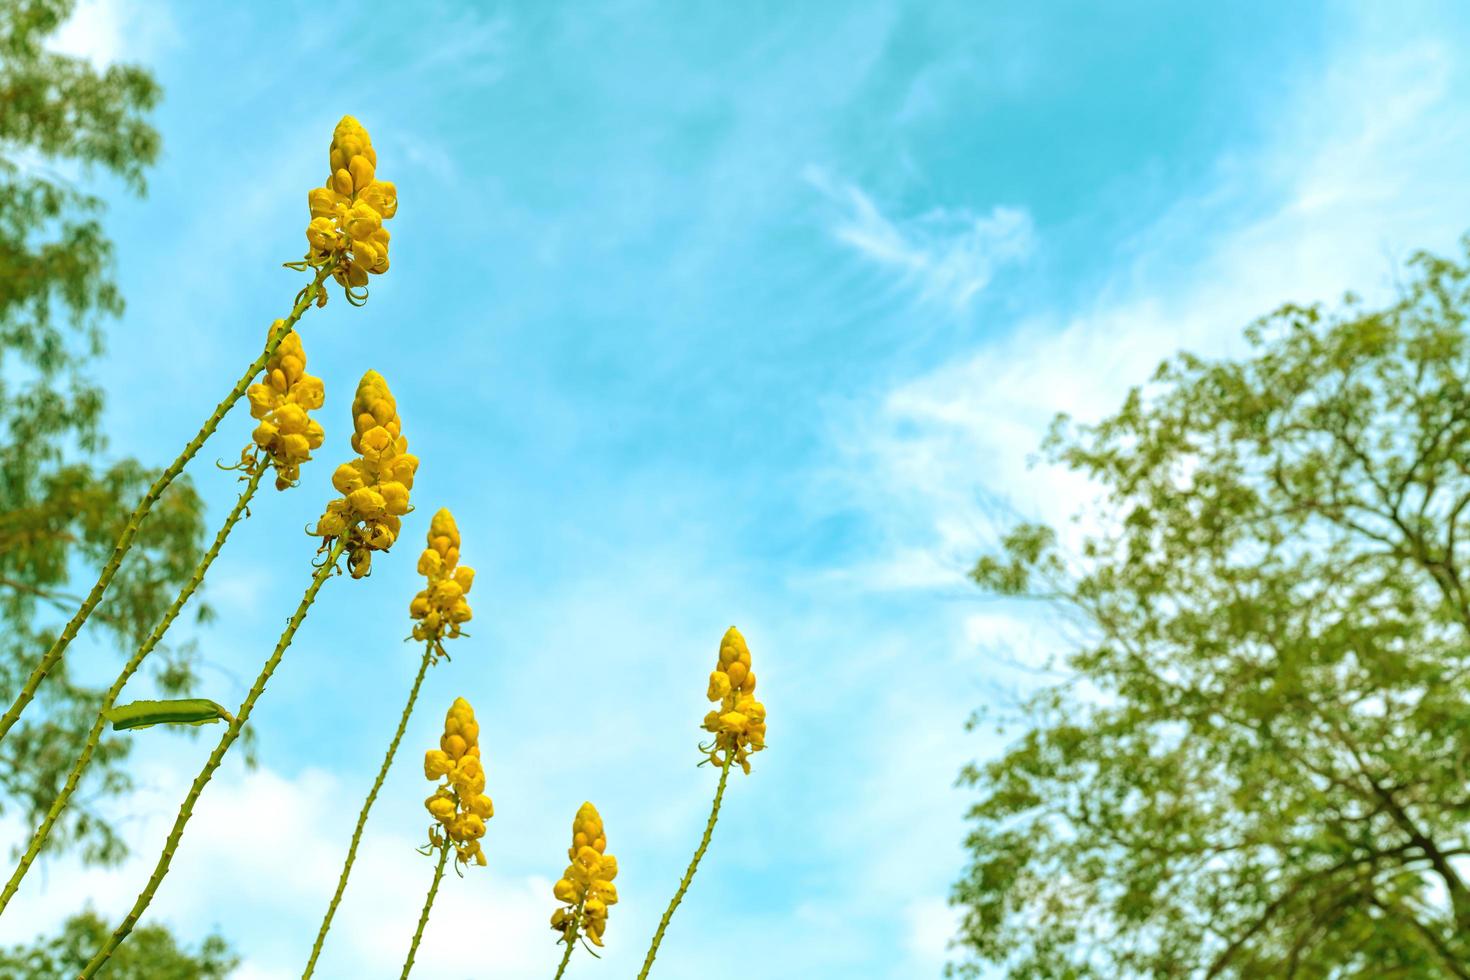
(286,435)
(459,805)
(374,486)
(739,725)
(588,881)
(441,607)
(347,214)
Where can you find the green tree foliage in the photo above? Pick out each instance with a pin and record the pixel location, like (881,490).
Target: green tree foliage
(1260,763)
(62,502)
(152,954)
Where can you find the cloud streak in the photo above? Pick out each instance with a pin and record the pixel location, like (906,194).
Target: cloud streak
(948,255)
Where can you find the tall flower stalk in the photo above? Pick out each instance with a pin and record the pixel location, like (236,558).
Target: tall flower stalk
(438,610)
(739,728)
(586,887)
(418,933)
(347,532)
(459,805)
(282,441)
(311,294)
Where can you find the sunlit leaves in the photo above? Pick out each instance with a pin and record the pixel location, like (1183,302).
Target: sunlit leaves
(62,503)
(1266,772)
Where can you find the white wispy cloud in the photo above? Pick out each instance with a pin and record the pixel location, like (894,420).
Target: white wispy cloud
(947,254)
(1339,198)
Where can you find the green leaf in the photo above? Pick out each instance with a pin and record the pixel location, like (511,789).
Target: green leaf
(180,711)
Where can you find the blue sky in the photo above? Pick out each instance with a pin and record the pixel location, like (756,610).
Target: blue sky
(748,314)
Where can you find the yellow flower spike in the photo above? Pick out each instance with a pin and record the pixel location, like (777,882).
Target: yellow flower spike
(281,402)
(460,805)
(738,724)
(440,609)
(585,887)
(345,233)
(375,487)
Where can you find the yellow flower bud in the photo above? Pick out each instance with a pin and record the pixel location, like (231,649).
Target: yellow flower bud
(436,763)
(368,503)
(719,685)
(395,497)
(736,676)
(361,169)
(382,197)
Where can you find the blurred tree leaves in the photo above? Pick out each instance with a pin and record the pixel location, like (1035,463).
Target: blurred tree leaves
(63,501)
(1260,763)
(151,953)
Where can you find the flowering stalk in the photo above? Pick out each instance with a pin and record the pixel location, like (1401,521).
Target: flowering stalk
(125,541)
(418,933)
(316,949)
(709,829)
(231,733)
(352,531)
(94,737)
(283,441)
(459,805)
(438,612)
(739,727)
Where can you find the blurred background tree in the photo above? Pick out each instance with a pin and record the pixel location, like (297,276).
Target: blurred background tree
(150,954)
(63,501)
(1260,763)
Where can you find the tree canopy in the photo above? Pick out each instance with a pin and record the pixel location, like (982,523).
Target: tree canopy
(153,954)
(1259,761)
(63,500)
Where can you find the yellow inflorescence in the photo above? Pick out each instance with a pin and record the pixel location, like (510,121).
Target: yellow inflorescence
(286,434)
(346,229)
(460,804)
(375,486)
(739,725)
(588,880)
(441,608)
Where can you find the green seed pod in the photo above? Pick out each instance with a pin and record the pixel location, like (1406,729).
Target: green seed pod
(182,711)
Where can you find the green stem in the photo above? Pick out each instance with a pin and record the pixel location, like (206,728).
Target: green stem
(413,694)
(232,732)
(424,916)
(130,530)
(709,829)
(571,939)
(94,737)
